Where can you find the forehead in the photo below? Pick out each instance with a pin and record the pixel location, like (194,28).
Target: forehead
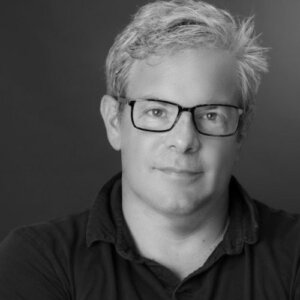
(188,77)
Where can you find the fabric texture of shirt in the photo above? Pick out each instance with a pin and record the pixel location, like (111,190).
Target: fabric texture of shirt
(91,256)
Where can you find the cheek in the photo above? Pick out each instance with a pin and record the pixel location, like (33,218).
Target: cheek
(137,150)
(222,155)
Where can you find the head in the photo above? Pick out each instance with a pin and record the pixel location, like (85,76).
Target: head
(189,53)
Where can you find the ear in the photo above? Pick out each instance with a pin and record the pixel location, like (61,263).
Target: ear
(109,110)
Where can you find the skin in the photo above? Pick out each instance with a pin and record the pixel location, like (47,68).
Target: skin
(175,184)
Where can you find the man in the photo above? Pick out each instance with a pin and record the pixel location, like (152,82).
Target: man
(175,224)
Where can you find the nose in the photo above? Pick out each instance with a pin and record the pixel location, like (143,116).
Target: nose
(184,137)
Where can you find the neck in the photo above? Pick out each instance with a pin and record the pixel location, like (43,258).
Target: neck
(173,240)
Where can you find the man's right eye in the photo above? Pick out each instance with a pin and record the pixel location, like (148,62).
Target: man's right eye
(155,112)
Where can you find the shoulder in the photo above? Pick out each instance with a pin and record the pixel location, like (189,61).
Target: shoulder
(51,242)
(278,248)
(59,231)
(36,258)
(279,236)
(278,223)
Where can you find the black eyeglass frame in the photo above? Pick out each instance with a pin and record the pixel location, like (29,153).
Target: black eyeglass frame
(131,103)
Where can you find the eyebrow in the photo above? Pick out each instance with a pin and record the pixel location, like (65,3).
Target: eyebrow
(152,98)
(209,101)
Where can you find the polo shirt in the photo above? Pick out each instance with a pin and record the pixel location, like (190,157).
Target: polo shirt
(91,256)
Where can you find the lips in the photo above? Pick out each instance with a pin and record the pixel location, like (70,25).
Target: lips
(184,174)
(179,170)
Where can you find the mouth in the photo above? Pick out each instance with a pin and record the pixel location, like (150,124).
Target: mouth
(180,173)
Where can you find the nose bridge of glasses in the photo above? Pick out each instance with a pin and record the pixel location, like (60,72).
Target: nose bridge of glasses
(187,109)
(184,109)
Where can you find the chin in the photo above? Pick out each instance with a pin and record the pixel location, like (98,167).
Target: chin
(180,201)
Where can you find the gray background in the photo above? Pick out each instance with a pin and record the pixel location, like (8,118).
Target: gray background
(54,153)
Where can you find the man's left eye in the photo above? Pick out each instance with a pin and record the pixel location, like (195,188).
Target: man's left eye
(211,116)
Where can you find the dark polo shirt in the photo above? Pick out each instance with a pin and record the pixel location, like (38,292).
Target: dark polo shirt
(92,256)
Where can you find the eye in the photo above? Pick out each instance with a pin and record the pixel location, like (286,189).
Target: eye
(211,116)
(156,112)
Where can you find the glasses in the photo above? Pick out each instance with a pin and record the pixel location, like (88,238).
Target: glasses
(161,116)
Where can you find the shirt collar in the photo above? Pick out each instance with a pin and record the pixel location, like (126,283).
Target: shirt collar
(106,221)
(244,220)
(102,224)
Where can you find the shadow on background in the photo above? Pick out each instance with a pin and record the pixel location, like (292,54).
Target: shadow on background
(54,152)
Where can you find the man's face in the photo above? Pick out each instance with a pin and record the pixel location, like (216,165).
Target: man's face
(180,171)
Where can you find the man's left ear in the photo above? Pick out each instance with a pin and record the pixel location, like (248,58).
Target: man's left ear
(109,109)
